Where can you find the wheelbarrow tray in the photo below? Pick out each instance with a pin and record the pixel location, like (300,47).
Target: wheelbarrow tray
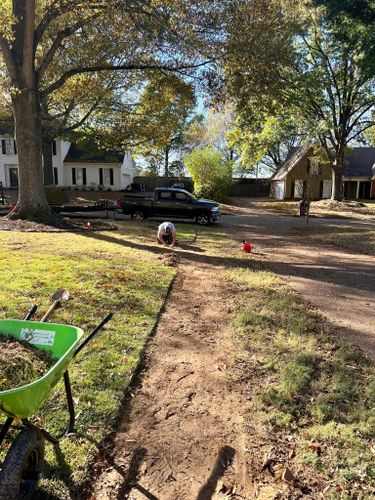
(59,340)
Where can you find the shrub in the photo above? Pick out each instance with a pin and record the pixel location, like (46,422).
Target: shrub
(212,176)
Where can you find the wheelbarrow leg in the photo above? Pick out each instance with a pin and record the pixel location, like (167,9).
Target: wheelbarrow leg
(69,398)
(5,428)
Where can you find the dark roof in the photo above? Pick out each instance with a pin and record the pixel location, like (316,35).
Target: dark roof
(76,154)
(359,162)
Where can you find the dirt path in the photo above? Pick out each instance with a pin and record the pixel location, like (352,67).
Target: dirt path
(340,283)
(182,434)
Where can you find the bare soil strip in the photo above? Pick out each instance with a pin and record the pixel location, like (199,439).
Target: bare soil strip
(181,436)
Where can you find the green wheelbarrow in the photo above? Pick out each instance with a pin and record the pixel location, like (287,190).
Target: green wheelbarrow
(22,466)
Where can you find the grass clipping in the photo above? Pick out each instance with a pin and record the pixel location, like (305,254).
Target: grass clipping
(21,363)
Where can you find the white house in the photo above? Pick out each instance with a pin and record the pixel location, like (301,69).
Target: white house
(73,167)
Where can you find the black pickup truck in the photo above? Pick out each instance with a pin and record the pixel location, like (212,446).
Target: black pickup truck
(171,203)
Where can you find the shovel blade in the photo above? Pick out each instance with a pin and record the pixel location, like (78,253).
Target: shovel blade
(60,295)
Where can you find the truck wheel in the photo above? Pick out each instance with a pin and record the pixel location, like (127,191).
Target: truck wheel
(203,219)
(138,215)
(20,472)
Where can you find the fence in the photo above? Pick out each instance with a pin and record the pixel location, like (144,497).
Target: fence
(250,188)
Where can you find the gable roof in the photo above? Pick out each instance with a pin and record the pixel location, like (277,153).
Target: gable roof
(76,154)
(359,162)
(294,156)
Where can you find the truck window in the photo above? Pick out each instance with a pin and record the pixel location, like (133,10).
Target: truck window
(165,195)
(181,197)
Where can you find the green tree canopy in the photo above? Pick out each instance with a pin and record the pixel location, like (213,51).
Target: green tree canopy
(212,176)
(160,118)
(46,43)
(320,80)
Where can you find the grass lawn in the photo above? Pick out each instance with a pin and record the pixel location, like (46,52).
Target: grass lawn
(146,231)
(358,239)
(312,395)
(308,391)
(103,272)
(321,209)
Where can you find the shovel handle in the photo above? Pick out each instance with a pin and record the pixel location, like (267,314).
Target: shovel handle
(50,310)
(94,332)
(31,312)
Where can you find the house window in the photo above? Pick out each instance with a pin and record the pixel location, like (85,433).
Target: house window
(54,149)
(79,176)
(298,188)
(326,189)
(313,166)
(13,176)
(8,147)
(106,176)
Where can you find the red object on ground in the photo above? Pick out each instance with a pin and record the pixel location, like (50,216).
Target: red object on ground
(246,247)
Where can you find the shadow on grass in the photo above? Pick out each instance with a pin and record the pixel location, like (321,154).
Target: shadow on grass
(357,274)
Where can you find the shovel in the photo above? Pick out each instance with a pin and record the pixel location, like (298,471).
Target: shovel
(57,298)
(31,312)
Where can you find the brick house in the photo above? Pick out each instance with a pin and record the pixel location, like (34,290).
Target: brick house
(304,170)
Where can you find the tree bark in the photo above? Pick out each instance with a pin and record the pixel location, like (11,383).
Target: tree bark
(47,160)
(337,191)
(32,202)
(166,162)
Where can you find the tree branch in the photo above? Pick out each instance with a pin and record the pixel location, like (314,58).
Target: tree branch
(123,67)
(57,9)
(61,35)
(9,59)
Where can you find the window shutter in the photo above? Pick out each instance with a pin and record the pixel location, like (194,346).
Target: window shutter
(84,176)
(3,147)
(54,151)
(73,176)
(15,147)
(101,176)
(111,176)
(55,175)
(321,190)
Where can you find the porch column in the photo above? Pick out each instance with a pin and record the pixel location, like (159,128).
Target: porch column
(357,196)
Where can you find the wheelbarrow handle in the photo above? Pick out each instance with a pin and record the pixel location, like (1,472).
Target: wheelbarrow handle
(94,332)
(33,309)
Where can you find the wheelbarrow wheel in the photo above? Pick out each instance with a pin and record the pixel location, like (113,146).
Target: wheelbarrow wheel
(22,466)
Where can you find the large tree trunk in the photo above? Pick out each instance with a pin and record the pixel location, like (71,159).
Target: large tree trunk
(47,160)
(337,191)
(32,202)
(337,172)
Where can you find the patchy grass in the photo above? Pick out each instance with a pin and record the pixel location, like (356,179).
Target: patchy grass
(146,230)
(306,386)
(322,208)
(360,239)
(103,272)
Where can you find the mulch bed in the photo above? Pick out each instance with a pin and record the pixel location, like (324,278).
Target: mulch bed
(66,225)
(21,363)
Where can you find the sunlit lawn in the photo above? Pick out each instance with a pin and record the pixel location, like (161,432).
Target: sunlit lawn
(104,272)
